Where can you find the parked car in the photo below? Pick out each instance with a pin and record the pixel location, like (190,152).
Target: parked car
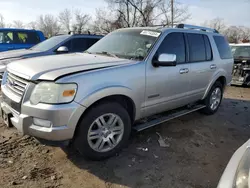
(236,174)
(55,45)
(241,68)
(95,98)
(12,39)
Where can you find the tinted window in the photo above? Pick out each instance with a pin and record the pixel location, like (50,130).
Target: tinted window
(209,55)
(67,44)
(79,45)
(223,47)
(90,42)
(197,51)
(174,44)
(50,43)
(23,37)
(6,37)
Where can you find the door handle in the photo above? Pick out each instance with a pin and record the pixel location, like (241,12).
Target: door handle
(213,66)
(184,71)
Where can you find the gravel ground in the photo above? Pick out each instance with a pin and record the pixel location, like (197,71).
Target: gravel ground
(198,149)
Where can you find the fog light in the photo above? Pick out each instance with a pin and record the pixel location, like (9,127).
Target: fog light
(42,122)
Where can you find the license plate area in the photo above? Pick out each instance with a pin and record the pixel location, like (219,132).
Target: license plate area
(14,105)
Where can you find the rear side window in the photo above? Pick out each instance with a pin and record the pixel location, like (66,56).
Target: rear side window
(174,44)
(27,38)
(197,49)
(223,47)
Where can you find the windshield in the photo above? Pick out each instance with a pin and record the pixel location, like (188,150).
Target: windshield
(241,51)
(49,43)
(126,43)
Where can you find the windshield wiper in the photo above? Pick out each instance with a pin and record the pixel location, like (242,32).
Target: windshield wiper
(107,53)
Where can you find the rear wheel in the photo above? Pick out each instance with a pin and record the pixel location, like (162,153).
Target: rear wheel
(213,99)
(103,131)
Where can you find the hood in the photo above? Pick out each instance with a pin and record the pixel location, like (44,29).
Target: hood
(16,53)
(52,67)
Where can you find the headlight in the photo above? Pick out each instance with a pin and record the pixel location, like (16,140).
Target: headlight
(52,93)
(242,174)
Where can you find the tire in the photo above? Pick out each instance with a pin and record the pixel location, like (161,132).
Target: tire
(210,110)
(92,125)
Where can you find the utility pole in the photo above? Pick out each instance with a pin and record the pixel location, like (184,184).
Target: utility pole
(172,13)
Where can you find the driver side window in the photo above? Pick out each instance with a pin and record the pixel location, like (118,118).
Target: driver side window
(174,44)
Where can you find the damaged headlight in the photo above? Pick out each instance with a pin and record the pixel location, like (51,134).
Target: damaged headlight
(242,179)
(52,93)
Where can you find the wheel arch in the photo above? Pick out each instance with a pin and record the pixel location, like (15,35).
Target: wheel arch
(219,77)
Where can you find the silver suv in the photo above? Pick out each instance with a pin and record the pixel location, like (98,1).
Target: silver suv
(95,98)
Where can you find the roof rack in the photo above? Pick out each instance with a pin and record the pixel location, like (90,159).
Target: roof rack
(186,26)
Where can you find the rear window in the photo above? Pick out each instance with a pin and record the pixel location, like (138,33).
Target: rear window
(223,47)
(6,37)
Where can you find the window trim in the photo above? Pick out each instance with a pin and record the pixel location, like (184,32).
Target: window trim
(189,61)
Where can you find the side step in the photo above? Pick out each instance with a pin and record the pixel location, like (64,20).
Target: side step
(161,118)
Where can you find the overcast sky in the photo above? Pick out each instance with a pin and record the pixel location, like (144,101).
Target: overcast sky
(234,12)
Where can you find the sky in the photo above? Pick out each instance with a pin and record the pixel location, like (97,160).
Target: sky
(234,12)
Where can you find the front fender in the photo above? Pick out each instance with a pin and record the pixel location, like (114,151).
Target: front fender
(101,93)
(215,77)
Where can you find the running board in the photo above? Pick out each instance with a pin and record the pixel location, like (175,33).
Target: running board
(161,118)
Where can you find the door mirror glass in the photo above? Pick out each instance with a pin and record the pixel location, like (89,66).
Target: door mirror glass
(62,49)
(165,60)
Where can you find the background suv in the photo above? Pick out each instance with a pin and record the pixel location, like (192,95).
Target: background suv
(12,39)
(121,82)
(55,45)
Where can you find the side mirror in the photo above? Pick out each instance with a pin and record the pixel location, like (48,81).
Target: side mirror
(165,60)
(62,49)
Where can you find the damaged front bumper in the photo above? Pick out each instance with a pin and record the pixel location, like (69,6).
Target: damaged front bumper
(241,74)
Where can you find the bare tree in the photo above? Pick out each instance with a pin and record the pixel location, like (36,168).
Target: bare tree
(65,18)
(18,24)
(81,21)
(2,23)
(32,25)
(48,24)
(132,13)
(217,23)
(233,34)
(244,33)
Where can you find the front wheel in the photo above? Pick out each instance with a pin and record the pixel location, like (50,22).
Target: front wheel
(103,131)
(213,99)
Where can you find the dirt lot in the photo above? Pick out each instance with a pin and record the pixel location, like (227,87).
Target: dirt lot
(199,149)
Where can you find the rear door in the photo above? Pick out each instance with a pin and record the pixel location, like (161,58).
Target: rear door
(25,39)
(6,40)
(202,66)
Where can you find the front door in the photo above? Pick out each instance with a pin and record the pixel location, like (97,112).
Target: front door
(168,87)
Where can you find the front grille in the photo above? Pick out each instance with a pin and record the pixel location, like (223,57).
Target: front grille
(16,84)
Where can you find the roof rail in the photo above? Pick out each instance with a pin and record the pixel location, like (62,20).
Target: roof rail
(186,26)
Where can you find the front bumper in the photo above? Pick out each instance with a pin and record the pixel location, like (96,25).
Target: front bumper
(63,118)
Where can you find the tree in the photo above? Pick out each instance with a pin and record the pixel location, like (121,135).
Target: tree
(81,21)
(233,34)
(2,23)
(217,23)
(48,24)
(132,13)
(65,18)
(18,24)
(32,25)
